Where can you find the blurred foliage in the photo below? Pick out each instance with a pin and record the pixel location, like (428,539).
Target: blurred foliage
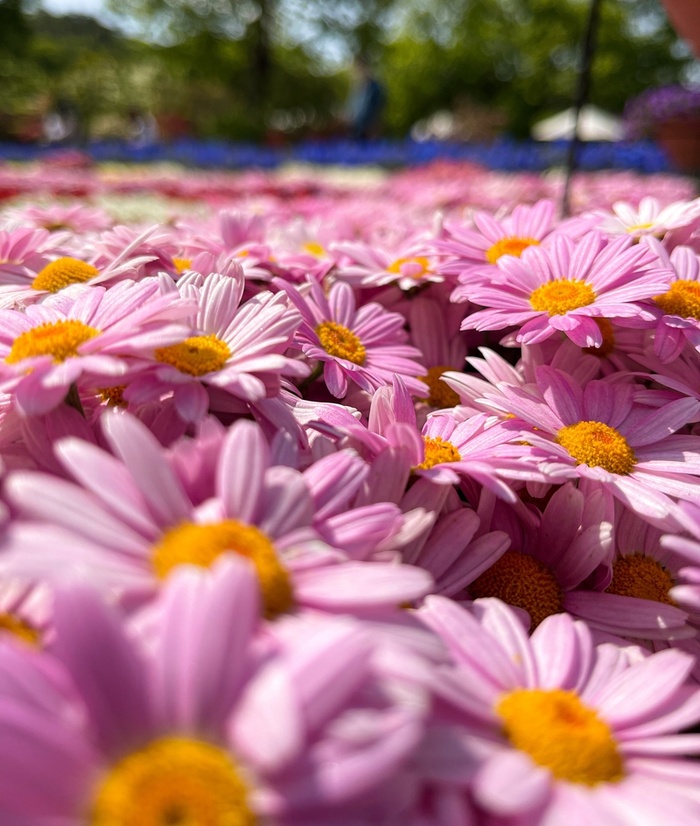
(244,68)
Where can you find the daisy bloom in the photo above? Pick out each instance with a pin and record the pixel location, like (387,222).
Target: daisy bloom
(648,218)
(197,727)
(237,348)
(83,332)
(652,592)
(679,305)
(549,728)
(599,433)
(366,346)
(565,287)
(493,237)
(129,525)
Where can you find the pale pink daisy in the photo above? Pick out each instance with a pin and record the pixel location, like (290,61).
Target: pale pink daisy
(566,287)
(129,524)
(678,306)
(75,217)
(366,346)
(652,592)
(648,218)
(549,730)
(197,727)
(237,348)
(84,333)
(599,433)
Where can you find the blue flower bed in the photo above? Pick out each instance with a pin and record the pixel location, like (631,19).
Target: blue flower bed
(503,154)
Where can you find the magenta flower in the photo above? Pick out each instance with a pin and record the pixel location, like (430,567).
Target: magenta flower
(366,346)
(600,434)
(566,287)
(84,333)
(236,348)
(197,727)
(130,524)
(548,727)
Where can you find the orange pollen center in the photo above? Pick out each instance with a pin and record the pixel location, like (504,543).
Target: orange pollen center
(415,267)
(523,581)
(437,452)
(340,342)
(173,781)
(196,356)
(560,296)
(608,344)
(642,577)
(557,731)
(441,394)
(20,629)
(59,339)
(62,272)
(597,445)
(681,299)
(182,264)
(114,396)
(509,246)
(200,545)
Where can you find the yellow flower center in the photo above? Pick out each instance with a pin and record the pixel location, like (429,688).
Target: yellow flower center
(608,344)
(420,260)
(523,581)
(315,249)
(340,342)
(173,781)
(509,246)
(560,296)
(201,545)
(20,629)
(437,452)
(60,339)
(638,227)
(441,394)
(182,264)
(196,356)
(682,299)
(62,272)
(557,731)
(597,445)
(642,577)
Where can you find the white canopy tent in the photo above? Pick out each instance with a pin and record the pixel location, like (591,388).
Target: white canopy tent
(594,125)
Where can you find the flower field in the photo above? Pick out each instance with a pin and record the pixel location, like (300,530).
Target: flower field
(348,500)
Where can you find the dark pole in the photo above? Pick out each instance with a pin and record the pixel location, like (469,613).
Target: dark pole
(582,89)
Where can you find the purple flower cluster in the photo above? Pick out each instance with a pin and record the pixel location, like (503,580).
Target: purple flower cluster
(348,516)
(654,106)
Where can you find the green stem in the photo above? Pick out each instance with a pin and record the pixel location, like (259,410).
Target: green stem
(315,374)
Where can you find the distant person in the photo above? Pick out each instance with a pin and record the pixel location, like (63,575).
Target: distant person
(143,129)
(60,124)
(366,103)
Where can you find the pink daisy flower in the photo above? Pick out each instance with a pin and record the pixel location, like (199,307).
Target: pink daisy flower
(75,217)
(566,287)
(648,218)
(652,592)
(236,348)
(548,728)
(600,434)
(366,346)
(679,305)
(22,251)
(129,525)
(198,727)
(494,237)
(85,332)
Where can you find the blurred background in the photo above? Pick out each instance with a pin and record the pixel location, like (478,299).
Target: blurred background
(276,72)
